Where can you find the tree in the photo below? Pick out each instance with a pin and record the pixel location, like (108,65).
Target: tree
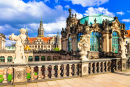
(57,49)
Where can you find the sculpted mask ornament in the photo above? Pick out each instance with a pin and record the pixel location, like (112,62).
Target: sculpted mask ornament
(20,40)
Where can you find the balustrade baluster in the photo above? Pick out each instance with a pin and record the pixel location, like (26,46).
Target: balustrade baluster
(91,68)
(52,71)
(75,70)
(39,72)
(99,67)
(70,69)
(110,65)
(32,72)
(107,66)
(64,70)
(116,64)
(59,71)
(95,67)
(103,67)
(46,71)
(4,76)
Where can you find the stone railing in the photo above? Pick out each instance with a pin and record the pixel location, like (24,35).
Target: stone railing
(49,70)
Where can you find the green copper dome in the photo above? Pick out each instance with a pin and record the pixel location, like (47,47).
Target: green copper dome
(99,19)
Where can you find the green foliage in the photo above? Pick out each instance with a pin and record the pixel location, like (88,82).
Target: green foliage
(10,77)
(57,49)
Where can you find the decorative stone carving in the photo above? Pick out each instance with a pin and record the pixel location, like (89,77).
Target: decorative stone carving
(83,47)
(123,49)
(20,40)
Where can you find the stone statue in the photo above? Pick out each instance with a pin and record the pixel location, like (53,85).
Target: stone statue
(20,40)
(123,49)
(83,47)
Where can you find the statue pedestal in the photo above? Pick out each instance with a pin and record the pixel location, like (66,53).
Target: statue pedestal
(20,73)
(83,55)
(19,61)
(84,68)
(123,65)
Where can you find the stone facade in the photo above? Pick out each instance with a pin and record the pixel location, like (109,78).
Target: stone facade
(106,31)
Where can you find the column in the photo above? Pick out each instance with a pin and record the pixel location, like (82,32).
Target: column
(110,43)
(59,71)
(4,76)
(40,58)
(64,70)
(46,71)
(75,70)
(27,58)
(32,72)
(70,69)
(13,58)
(6,59)
(39,73)
(52,71)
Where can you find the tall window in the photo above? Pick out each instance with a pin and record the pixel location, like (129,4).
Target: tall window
(69,44)
(9,59)
(36,58)
(115,42)
(2,59)
(43,58)
(95,41)
(30,58)
(78,39)
(48,58)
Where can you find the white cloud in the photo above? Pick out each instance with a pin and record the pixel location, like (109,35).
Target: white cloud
(47,1)
(99,10)
(9,42)
(79,15)
(125,20)
(67,6)
(17,10)
(128,11)
(85,3)
(121,13)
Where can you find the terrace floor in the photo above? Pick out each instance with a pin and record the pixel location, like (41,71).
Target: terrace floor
(118,79)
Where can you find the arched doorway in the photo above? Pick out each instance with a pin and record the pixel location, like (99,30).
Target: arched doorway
(115,42)
(95,41)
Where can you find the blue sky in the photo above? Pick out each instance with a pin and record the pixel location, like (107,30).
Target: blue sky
(17,14)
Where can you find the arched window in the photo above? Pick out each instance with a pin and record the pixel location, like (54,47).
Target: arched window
(78,39)
(43,58)
(69,43)
(55,58)
(48,58)
(2,59)
(9,59)
(95,41)
(115,42)
(30,58)
(36,58)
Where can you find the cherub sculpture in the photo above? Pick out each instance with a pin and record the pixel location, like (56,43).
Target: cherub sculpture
(20,40)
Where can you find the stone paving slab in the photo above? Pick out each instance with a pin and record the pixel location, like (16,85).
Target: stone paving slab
(118,79)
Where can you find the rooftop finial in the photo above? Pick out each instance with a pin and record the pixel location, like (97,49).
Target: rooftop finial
(69,12)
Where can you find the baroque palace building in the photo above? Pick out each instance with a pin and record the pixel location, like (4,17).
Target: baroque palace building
(104,32)
(41,42)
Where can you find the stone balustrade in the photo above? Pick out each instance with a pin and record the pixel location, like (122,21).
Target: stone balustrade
(50,70)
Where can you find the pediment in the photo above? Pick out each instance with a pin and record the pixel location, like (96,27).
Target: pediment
(116,24)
